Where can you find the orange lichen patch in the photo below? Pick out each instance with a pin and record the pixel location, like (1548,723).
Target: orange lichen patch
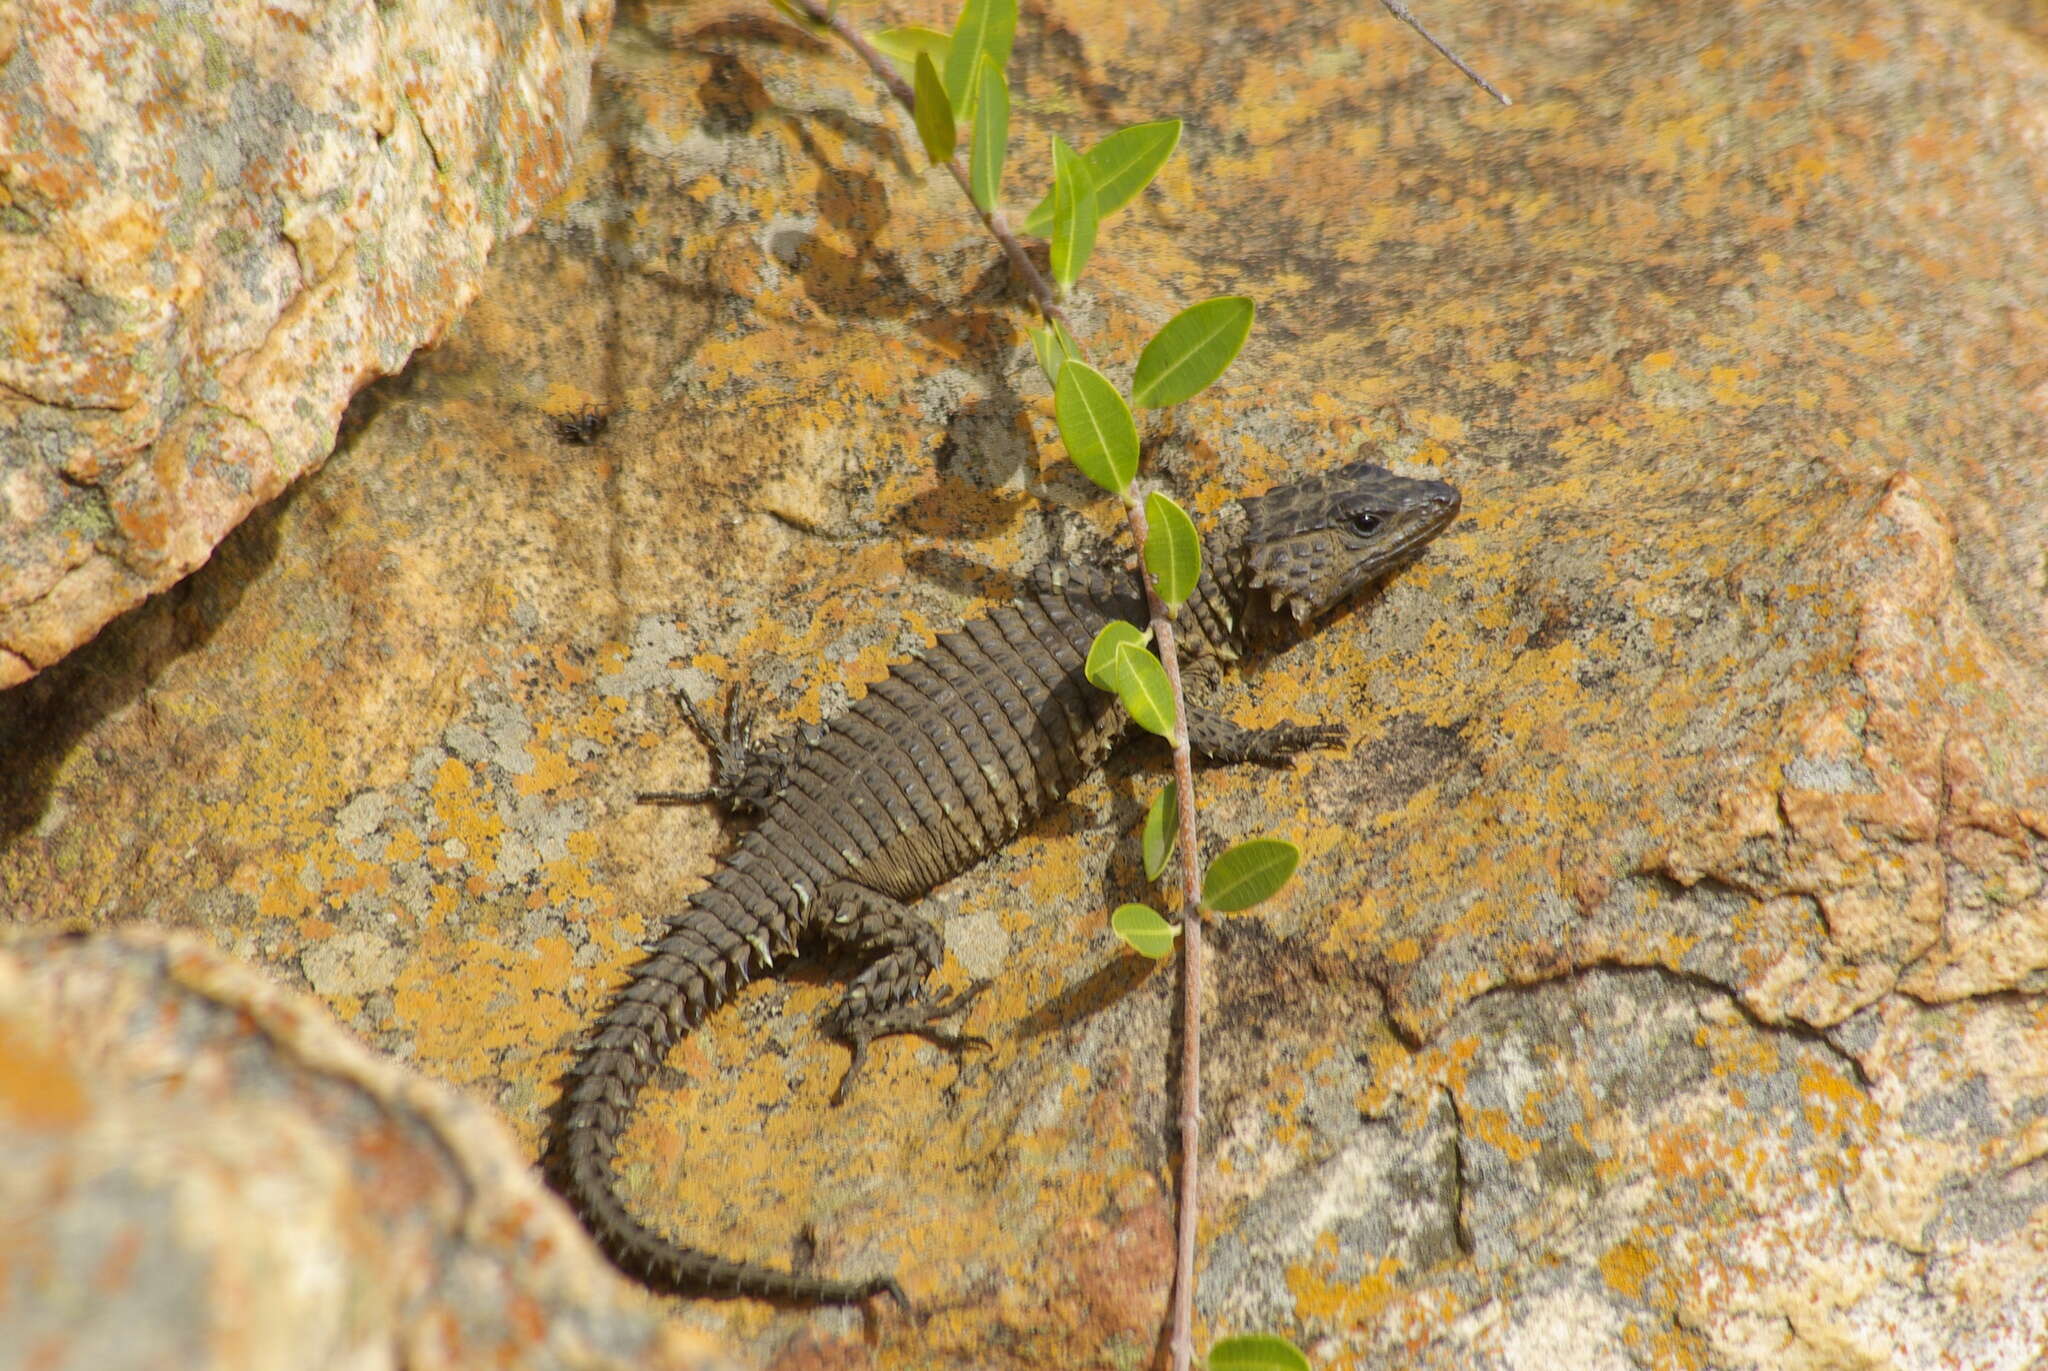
(1284,1102)
(39,1090)
(356,879)
(1627,1267)
(460,814)
(505,999)
(551,769)
(1493,1126)
(1835,1107)
(283,896)
(569,878)
(598,724)
(1320,1298)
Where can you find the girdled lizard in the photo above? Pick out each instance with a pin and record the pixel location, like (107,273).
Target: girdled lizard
(935,768)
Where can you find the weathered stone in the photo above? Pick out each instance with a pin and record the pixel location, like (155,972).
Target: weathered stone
(216,223)
(1663,984)
(204,1171)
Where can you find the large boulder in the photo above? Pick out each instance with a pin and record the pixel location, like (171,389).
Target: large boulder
(217,222)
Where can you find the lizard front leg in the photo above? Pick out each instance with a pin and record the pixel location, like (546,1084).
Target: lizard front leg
(746,777)
(888,995)
(1215,738)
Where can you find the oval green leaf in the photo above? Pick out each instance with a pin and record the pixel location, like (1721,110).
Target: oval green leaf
(1101,664)
(1173,552)
(901,47)
(1256,1352)
(1096,426)
(1051,356)
(1067,343)
(932,112)
(991,135)
(1141,684)
(1162,826)
(984,28)
(1141,927)
(1194,348)
(1248,874)
(1074,216)
(802,18)
(1123,164)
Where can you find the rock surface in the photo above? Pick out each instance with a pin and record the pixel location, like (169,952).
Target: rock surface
(1665,983)
(216,224)
(205,1171)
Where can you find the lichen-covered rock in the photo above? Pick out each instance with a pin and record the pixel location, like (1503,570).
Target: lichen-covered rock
(205,1171)
(1664,982)
(216,223)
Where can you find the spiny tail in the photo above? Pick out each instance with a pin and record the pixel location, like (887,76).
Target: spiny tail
(692,970)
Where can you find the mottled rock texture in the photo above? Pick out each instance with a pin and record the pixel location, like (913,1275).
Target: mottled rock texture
(217,222)
(205,1171)
(1667,982)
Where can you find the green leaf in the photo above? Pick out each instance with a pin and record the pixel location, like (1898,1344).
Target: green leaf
(901,46)
(1142,686)
(793,12)
(1162,826)
(933,112)
(1123,164)
(1051,357)
(1072,348)
(1193,349)
(985,27)
(1055,348)
(1141,927)
(1074,216)
(1115,634)
(1119,662)
(1173,553)
(1096,426)
(1256,1352)
(1248,874)
(991,135)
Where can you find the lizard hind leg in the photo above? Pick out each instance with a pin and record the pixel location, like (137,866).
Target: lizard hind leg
(746,778)
(888,995)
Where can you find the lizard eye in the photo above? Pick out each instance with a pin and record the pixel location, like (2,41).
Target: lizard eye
(1364,525)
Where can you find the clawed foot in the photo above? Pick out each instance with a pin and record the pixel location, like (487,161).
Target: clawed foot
(746,777)
(919,1016)
(1282,742)
(886,1285)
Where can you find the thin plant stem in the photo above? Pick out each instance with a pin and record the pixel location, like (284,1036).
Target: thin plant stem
(1182,1342)
(1402,13)
(991,219)
(1183,1338)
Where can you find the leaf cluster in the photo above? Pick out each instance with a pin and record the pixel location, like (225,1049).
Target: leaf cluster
(958,79)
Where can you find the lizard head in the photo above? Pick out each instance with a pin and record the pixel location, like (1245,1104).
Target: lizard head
(1311,544)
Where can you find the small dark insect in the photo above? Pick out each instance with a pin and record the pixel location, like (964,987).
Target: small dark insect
(581,428)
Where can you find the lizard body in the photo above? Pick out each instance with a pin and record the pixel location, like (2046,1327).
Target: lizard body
(936,767)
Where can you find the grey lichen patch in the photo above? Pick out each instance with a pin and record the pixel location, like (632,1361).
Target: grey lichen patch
(979,941)
(657,642)
(498,734)
(354,963)
(360,817)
